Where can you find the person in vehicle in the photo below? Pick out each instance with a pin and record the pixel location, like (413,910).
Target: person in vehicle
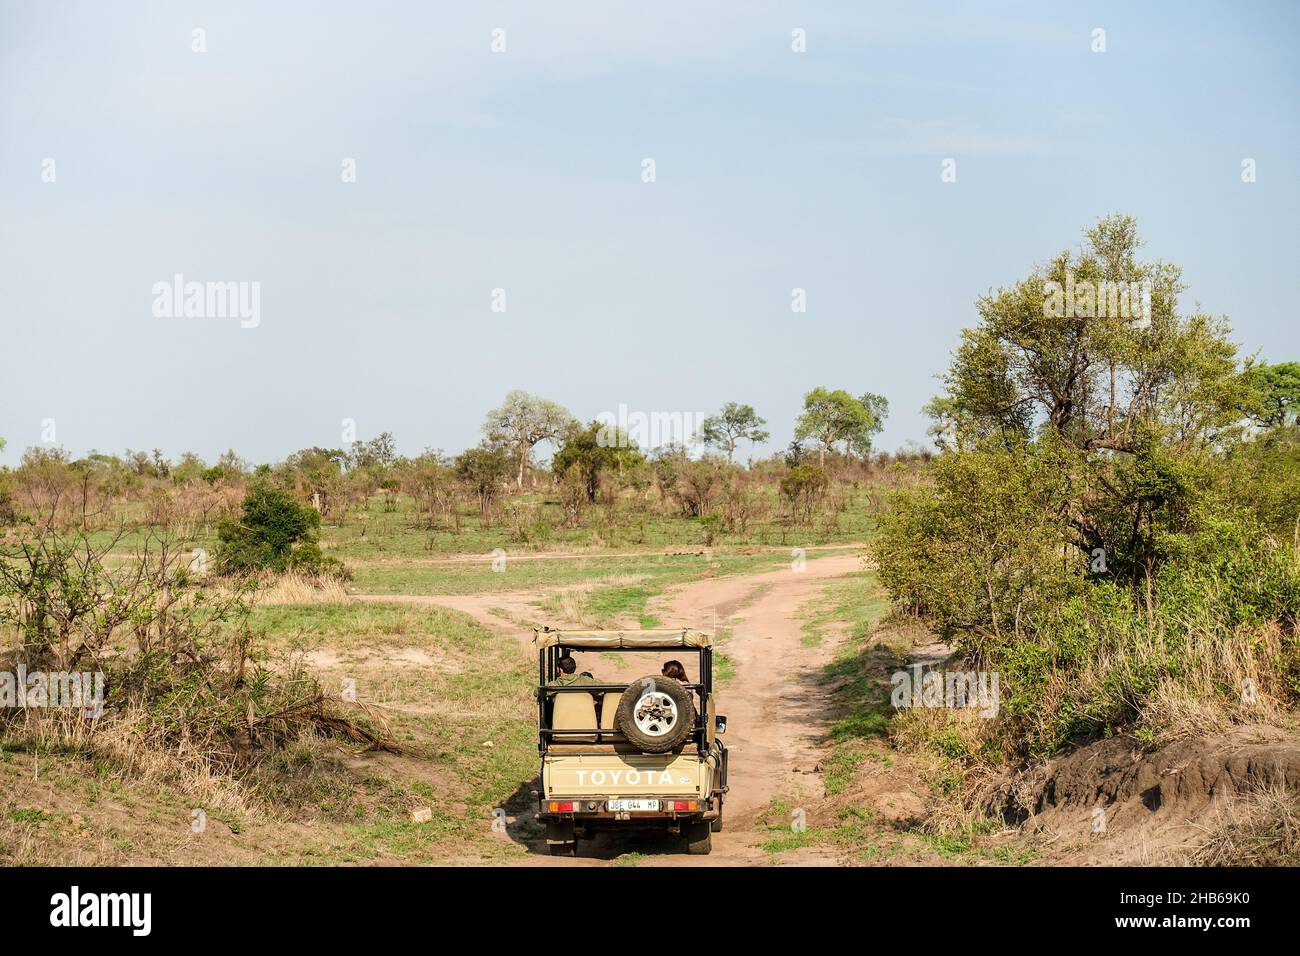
(675,670)
(568,673)
(569,676)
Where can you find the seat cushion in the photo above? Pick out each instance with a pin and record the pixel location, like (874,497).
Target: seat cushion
(574,711)
(609,710)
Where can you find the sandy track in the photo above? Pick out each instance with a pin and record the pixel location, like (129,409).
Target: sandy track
(776,707)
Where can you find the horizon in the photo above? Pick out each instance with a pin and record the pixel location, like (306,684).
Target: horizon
(482,178)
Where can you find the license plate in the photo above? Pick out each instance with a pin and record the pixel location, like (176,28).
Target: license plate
(633,806)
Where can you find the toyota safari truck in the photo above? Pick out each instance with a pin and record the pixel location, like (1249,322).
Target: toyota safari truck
(641,754)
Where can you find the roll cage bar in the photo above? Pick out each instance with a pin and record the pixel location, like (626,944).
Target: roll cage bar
(548,671)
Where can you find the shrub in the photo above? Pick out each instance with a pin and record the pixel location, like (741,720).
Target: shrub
(274,533)
(187,691)
(804,487)
(483,471)
(1194,604)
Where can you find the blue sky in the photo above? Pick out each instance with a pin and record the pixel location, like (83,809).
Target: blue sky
(522,171)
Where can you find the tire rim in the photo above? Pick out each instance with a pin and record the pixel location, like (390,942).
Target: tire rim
(655,714)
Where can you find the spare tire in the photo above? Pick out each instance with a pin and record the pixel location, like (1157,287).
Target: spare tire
(655,714)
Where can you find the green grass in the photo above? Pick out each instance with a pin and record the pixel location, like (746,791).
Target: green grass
(30,815)
(724,668)
(859,832)
(1012,855)
(467,718)
(389,530)
(858,670)
(855,830)
(792,841)
(840,769)
(653,572)
(853,604)
(531,522)
(357,624)
(958,844)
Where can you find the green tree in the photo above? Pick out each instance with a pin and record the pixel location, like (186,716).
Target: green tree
(834,416)
(378,453)
(1277,393)
(877,407)
(189,470)
(1098,532)
(804,486)
(315,474)
(1096,381)
(483,471)
(592,450)
(730,425)
(8,513)
(274,533)
(524,421)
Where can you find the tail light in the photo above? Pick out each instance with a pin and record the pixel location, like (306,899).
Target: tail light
(679,805)
(557,806)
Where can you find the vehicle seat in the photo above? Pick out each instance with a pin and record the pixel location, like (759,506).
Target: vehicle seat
(574,711)
(609,711)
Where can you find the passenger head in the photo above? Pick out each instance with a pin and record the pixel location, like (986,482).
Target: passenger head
(566,664)
(675,670)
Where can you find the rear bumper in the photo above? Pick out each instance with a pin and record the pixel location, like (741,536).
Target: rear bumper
(584,814)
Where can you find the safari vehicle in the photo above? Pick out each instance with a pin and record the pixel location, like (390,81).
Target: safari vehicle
(643,755)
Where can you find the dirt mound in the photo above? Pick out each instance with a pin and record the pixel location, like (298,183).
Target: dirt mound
(1145,805)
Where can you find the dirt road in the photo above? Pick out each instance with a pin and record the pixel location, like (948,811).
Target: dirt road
(775,705)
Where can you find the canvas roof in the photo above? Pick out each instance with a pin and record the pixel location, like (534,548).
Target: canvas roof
(650,639)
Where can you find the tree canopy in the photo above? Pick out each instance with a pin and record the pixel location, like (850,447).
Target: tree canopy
(733,423)
(1277,394)
(836,416)
(524,421)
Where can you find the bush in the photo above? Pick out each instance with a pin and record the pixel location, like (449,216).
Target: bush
(1157,635)
(804,487)
(182,676)
(274,533)
(484,470)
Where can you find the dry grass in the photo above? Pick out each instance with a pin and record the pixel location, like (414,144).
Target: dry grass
(573,605)
(946,747)
(121,743)
(901,633)
(1258,829)
(206,749)
(1218,681)
(1211,691)
(296,588)
(1209,681)
(125,743)
(1221,679)
(569,606)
